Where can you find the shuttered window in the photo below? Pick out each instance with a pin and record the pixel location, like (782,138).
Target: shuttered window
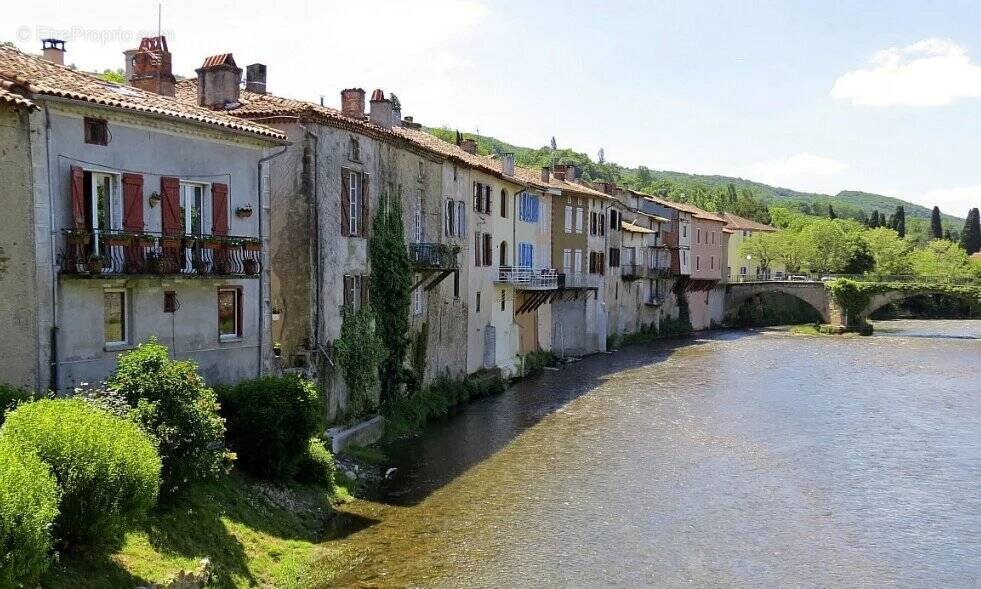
(526,255)
(219,209)
(354,203)
(170,209)
(132,202)
(488,247)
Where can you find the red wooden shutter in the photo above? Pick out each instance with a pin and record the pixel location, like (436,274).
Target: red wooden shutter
(170,207)
(348,287)
(132,202)
(78,197)
(365,208)
(345,202)
(219,209)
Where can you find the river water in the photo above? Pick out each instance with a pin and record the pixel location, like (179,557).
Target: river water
(737,459)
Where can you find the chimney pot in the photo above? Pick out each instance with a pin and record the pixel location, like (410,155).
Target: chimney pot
(469,146)
(218,81)
(53,50)
(560,175)
(381,110)
(149,67)
(546,171)
(507,164)
(255,78)
(352,103)
(571,171)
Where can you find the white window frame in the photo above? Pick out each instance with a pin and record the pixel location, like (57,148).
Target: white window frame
(567,261)
(568,218)
(449,218)
(580,216)
(461,219)
(125,318)
(417,301)
(237,328)
(354,180)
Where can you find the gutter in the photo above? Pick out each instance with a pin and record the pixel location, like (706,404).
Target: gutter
(264,235)
(55,377)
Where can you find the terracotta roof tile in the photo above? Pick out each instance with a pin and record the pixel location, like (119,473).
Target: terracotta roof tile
(41,77)
(737,222)
(15,99)
(635,228)
(220,59)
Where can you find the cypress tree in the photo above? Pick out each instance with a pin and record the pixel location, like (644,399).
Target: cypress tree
(831,212)
(971,235)
(936,227)
(874,219)
(899,222)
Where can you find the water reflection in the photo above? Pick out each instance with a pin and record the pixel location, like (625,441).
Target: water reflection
(749,459)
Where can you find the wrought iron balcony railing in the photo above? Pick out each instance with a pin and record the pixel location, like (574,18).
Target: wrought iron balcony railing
(636,271)
(526,278)
(434,256)
(579,280)
(108,252)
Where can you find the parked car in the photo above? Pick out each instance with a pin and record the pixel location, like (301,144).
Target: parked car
(798,277)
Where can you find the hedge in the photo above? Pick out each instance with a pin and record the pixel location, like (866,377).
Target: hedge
(28,507)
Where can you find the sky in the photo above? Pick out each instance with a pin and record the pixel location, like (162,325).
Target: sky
(816,96)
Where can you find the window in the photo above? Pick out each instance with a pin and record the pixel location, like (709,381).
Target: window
(526,255)
(354,150)
(684,230)
(503,300)
(568,219)
(417,301)
(529,209)
(580,220)
(229,313)
(354,199)
(615,220)
(504,203)
(461,219)
(614,257)
(456,285)
(711,262)
(698,262)
(592,223)
(115,321)
(417,224)
(355,291)
(698,236)
(488,248)
(577,261)
(567,261)
(602,224)
(354,193)
(96,131)
(170,302)
(422,170)
(195,215)
(504,254)
(478,302)
(449,218)
(482,198)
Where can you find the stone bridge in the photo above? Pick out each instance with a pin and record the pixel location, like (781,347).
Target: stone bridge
(815,294)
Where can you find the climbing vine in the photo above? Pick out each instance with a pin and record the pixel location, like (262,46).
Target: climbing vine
(359,352)
(853,296)
(391,285)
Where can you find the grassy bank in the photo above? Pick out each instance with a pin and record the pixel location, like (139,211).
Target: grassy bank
(255,534)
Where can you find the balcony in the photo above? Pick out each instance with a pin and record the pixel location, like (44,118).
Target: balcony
(637,271)
(526,278)
(433,256)
(95,253)
(579,280)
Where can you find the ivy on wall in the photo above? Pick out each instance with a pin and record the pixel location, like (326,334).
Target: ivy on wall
(359,352)
(854,296)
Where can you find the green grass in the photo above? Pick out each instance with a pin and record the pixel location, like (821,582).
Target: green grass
(367,454)
(256,535)
(808,329)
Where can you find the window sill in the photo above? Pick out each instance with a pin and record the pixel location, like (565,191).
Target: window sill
(118,347)
(226,339)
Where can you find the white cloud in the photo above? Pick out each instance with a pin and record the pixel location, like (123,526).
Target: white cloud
(953,201)
(797,170)
(932,72)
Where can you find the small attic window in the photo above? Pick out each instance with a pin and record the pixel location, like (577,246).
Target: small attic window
(354,150)
(96,131)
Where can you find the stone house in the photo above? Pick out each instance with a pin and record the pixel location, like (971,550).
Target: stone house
(131,215)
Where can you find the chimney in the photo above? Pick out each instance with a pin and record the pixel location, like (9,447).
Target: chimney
(151,69)
(396,110)
(507,164)
(570,171)
(53,50)
(218,80)
(409,123)
(560,175)
(469,146)
(545,173)
(129,63)
(352,103)
(255,78)
(381,110)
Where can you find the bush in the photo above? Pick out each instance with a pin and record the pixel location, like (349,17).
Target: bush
(28,507)
(107,469)
(317,465)
(270,423)
(11,396)
(172,403)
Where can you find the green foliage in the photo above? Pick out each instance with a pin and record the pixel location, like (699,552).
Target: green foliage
(172,403)
(108,470)
(936,225)
(391,282)
(890,252)
(270,421)
(28,507)
(647,333)
(536,360)
(854,296)
(419,348)
(409,414)
(317,465)
(117,76)
(941,258)
(11,396)
(763,246)
(360,351)
(971,235)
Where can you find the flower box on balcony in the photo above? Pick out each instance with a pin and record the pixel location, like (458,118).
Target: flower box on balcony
(252,245)
(170,241)
(210,243)
(78,236)
(118,239)
(146,240)
(251,267)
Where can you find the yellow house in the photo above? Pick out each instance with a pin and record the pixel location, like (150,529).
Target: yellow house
(742,267)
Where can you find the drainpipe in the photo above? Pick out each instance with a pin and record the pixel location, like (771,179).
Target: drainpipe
(55,383)
(316,235)
(262,280)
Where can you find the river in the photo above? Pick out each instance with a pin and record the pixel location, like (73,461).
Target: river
(738,458)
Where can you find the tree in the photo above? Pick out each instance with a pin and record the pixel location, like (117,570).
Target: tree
(936,227)
(117,76)
(874,219)
(644,176)
(790,249)
(762,246)
(831,212)
(731,194)
(891,254)
(827,245)
(941,258)
(971,235)
(601,156)
(899,221)
(861,259)
(554,145)
(391,283)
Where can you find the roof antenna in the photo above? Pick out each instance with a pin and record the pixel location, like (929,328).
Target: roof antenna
(159,19)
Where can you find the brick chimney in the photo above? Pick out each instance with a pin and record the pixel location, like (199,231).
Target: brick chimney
(507,164)
(218,81)
(560,175)
(352,103)
(151,67)
(469,146)
(409,123)
(381,110)
(255,78)
(571,171)
(546,171)
(53,50)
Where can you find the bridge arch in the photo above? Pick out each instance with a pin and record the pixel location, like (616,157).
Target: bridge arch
(879,300)
(812,294)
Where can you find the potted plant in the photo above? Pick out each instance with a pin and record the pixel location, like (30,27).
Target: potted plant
(200,266)
(210,242)
(78,236)
(146,239)
(170,241)
(244,212)
(252,244)
(232,243)
(156,263)
(118,239)
(189,240)
(250,266)
(94,264)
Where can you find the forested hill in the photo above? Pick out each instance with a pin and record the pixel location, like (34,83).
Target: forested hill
(701,189)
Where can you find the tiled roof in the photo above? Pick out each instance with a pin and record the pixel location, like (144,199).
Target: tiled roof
(15,99)
(635,228)
(685,207)
(737,222)
(41,77)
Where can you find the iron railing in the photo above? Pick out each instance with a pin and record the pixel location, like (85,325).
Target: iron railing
(438,256)
(528,278)
(816,277)
(109,252)
(579,280)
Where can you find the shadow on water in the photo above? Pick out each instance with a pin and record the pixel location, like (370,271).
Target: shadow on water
(449,447)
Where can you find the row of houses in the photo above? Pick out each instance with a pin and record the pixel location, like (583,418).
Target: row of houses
(233,225)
